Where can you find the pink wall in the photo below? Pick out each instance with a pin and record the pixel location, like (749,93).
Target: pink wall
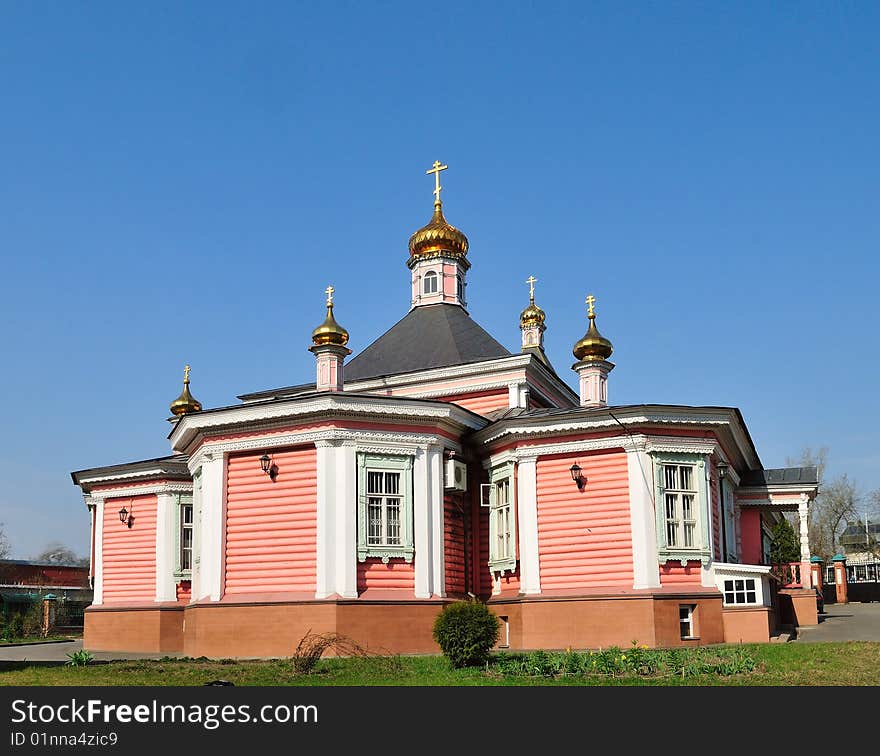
(129,554)
(584,537)
(750,530)
(672,573)
(397,575)
(271,527)
(481,402)
(453,544)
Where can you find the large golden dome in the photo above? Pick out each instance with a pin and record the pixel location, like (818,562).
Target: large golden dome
(593,346)
(438,238)
(330,332)
(186,402)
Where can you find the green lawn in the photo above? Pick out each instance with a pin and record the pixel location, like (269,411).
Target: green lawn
(29,641)
(776,664)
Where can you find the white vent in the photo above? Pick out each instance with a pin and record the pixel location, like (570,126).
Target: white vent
(456,475)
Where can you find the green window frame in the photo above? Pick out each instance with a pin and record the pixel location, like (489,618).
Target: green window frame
(385,506)
(682,509)
(182,544)
(502,519)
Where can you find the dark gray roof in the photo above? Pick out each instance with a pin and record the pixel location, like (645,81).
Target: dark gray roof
(428,337)
(781,476)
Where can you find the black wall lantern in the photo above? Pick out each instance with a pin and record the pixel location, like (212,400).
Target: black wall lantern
(268,467)
(125,517)
(722,468)
(577,476)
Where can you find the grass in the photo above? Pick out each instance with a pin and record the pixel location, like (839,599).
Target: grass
(788,664)
(29,641)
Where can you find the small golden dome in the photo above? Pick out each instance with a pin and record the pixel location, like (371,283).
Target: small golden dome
(532,316)
(186,402)
(330,332)
(593,346)
(438,237)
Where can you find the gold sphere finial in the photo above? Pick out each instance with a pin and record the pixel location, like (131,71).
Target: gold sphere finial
(329,332)
(532,315)
(186,402)
(593,345)
(439,237)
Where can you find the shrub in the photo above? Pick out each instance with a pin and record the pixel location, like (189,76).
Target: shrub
(79,658)
(466,632)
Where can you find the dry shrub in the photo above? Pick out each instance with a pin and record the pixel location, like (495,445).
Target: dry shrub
(313,645)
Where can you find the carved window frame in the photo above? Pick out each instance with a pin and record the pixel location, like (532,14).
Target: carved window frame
(385,463)
(701,551)
(499,475)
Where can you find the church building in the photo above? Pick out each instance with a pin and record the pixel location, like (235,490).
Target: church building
(434,466)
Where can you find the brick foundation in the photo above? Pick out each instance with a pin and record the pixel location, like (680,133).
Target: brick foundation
(751,624)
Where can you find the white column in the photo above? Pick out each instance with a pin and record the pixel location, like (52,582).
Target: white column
(435,509)
(646,567)
(527,523)
(166,542)
(325,580)
(422,527)
(345,519)
(98,586)
(804,520)
(196,572)
(212,527)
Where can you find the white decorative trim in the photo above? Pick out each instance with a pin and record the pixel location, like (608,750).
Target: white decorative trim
(346,517)
(251,415)
(157,472)
(677,445)
(455,390)
(325,551)
(435,504)
(211,527)
(444,373)
(363,440)
(177,486)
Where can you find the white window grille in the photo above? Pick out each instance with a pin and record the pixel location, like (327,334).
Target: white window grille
(740,591)
(686,620)
(186,536)
(680,495)
(430,284)
(500,513)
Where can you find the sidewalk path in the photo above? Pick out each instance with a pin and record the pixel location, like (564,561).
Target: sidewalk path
(844,622)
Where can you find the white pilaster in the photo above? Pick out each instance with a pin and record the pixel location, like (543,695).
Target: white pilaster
(325,578)
(423,543)
(804,521)
(527,515)
(196,572)
(98,582)
(436,513)
(345,520)
(646,567)
(166,542)
(213,509)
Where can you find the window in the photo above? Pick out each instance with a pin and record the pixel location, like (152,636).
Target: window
(385,526)
(502,520)
(682,508)
(686,621)
(184,523)
(186,536)
(383,500)
(679,497)
(459,288)
(740,591)
(430,283)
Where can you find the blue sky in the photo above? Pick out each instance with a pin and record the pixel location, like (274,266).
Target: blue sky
(180,182)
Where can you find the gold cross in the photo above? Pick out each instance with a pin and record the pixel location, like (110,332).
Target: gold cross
(329,290)
(531,281)
(436,171)
(591,300)
(186,374)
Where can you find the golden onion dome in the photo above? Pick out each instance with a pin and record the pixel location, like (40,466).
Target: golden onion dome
(438,237)
(593,346)
(186,402)
(330,332)
(532,316)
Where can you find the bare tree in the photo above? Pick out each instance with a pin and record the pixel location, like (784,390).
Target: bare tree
(4,542)
(58,553)
(837,502)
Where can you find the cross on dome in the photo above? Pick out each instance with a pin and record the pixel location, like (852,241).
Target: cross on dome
(531,281)
(438,166)
(329,291)
(591,300)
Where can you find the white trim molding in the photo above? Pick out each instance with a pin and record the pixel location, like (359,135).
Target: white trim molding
(646,567)
(527,513)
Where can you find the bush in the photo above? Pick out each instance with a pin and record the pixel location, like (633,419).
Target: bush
(79,658)
(466,632)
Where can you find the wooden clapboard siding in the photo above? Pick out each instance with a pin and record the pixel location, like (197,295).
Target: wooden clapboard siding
(129,554)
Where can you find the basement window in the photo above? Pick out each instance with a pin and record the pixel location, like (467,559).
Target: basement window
(686,621)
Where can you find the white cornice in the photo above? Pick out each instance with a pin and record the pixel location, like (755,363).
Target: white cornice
(156,472)
(260,416)
(440,374)
(367,441)
(177,486)
(638,442)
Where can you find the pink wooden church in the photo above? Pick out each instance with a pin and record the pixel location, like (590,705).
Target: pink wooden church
(433,466)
